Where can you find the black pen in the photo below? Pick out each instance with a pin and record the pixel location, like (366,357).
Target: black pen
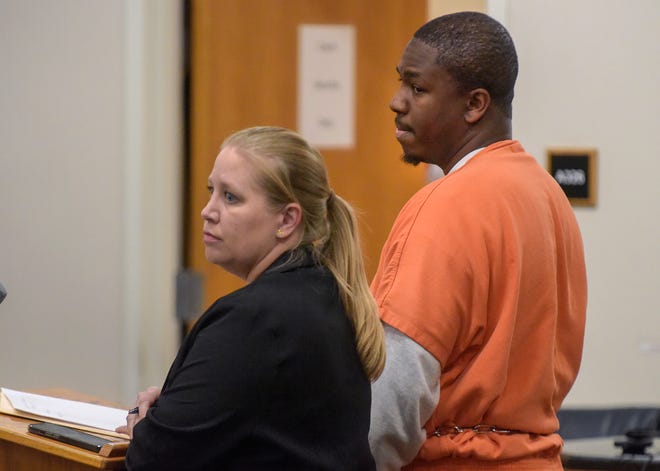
(134,410)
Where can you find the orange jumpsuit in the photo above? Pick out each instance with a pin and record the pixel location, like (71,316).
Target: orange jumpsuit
(484,268)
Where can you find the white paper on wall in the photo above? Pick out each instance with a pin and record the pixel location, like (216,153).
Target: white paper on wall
(326,84)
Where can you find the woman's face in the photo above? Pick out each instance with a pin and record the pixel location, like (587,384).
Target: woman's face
(240,226)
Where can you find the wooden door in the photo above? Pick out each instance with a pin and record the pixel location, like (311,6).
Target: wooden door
(243,73)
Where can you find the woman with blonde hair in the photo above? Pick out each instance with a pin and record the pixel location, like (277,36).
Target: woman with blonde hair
(275,375)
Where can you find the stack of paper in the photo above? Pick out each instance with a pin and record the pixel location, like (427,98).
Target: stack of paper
(76,414)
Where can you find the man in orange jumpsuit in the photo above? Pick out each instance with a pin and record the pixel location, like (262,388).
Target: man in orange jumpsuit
(482,283)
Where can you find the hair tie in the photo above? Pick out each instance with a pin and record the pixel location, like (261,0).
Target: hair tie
(331,196)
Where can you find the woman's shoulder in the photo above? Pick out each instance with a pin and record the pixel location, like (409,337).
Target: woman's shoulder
(277,289)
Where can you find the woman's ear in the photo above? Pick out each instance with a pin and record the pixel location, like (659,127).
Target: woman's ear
(291,218)
(477,105)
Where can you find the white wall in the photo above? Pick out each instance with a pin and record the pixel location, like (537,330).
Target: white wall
(89,183)
(589,77)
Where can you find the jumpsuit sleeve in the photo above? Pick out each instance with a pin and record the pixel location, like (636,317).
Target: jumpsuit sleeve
(403,399)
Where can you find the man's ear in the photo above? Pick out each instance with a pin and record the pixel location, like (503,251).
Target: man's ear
(477,105)
(291,218)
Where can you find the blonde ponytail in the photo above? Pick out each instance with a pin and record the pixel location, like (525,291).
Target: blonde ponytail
(342,255)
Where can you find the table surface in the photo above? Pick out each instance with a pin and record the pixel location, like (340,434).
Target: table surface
(602,453)
(15,430)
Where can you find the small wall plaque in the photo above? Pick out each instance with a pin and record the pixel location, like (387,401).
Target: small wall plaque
(575,171)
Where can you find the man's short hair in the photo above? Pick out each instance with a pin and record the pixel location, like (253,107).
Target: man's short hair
(477,51)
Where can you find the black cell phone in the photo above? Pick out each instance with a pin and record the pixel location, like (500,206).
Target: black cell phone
(68,435)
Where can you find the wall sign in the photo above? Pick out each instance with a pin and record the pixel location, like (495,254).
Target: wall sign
(326,75)
(575,171)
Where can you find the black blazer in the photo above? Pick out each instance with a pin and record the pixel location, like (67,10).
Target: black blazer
(268,379)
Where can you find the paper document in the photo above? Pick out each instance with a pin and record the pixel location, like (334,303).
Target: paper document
(51,409)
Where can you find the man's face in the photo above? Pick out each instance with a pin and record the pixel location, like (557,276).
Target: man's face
(430,110)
